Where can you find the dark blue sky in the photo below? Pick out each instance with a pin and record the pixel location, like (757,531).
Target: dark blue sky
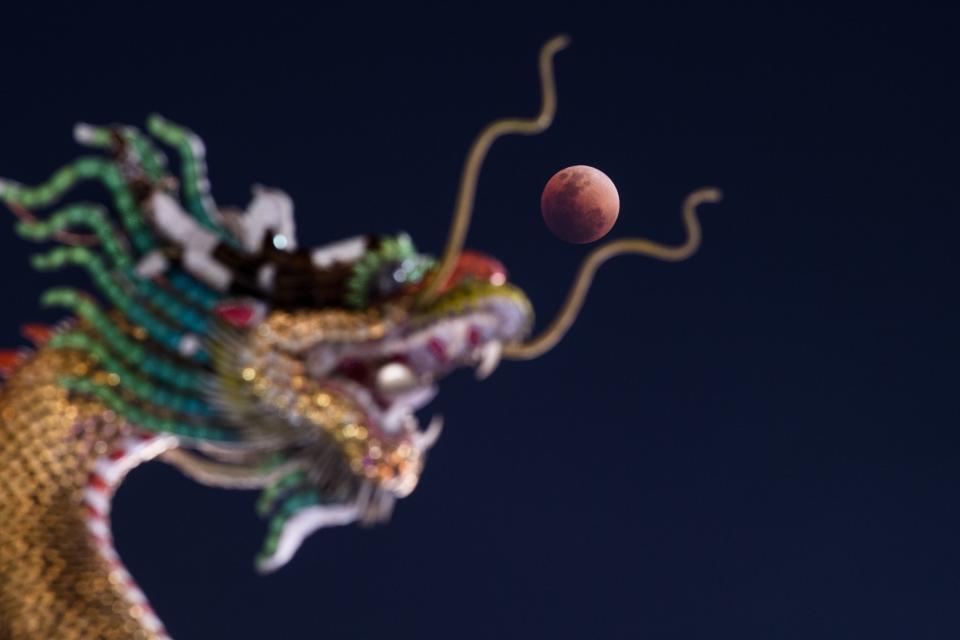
(759,443)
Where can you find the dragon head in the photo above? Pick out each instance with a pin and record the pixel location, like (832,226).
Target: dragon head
(325,379)
(353,372)
(296,371)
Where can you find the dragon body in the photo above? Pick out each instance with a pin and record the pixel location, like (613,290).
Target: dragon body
(211,341)
(61,457)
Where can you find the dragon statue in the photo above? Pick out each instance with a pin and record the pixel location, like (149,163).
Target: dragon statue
(213,342)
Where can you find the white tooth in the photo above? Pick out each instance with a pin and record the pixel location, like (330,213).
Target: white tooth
(425,439)
(410,423)
(489,359)
(392,420)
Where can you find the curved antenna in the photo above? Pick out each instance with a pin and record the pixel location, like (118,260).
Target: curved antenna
(588,269)
(463,209)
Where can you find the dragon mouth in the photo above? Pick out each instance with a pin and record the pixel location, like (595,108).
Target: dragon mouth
(389,380)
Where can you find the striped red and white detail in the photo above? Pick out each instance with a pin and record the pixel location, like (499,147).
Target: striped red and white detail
(107,474)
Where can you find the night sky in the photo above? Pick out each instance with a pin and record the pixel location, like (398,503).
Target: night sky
(761,442)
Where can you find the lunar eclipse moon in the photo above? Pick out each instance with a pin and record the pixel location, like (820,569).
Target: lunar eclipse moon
(580,204)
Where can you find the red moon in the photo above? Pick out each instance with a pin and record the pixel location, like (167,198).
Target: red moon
(580,204)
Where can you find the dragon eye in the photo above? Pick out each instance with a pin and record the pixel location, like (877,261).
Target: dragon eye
(386,281)
(393,275)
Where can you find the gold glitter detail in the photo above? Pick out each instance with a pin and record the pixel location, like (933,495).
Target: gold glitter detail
(298,330)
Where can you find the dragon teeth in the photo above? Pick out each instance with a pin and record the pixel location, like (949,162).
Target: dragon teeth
(425,439)
(490,355)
